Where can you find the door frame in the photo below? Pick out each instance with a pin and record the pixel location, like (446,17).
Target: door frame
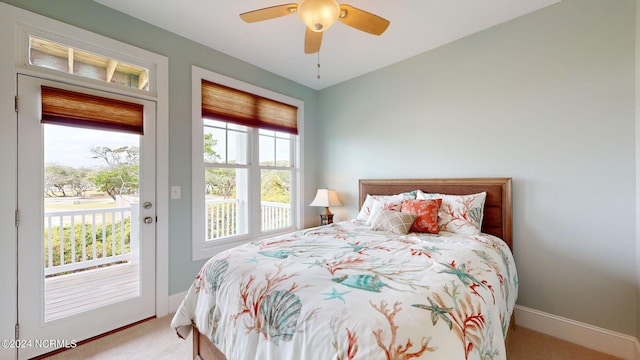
(32,293)
(12,21)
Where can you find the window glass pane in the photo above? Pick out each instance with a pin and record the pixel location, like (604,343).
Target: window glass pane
(226,202)
(275,199)
(225,143)
(237,146)
(267,149)
(283,150)
(52,55)
(274,148)
(91,195)
(267,132)
(215,145)
(214,123)
(233,126)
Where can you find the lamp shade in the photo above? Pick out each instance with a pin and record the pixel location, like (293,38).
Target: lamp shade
(326,198)
(318,15)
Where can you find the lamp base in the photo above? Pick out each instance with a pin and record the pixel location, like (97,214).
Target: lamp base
(326,219)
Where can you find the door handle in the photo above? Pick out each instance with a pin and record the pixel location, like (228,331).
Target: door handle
(148,220)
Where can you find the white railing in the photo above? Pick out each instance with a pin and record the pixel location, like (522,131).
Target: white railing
(92,245)
(109,240)
(275,215)
(222,217)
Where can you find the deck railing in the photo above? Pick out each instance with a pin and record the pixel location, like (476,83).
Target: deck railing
(89,238)
(222,219)
(275,215)
(98,237)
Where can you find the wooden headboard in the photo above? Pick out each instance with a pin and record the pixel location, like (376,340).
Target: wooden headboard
(497,218)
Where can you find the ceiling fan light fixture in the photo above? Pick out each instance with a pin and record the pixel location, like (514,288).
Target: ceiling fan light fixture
(318,15)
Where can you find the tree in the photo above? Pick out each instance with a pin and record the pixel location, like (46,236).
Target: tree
(59,179)
(209,143)
(124,155)
(276,186)
(56,178)
(219,181)
(120,177)
(79,183)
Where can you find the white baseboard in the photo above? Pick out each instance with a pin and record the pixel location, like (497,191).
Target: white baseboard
(175,300)
(599,339)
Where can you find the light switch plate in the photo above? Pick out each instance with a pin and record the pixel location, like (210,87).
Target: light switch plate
(176,192)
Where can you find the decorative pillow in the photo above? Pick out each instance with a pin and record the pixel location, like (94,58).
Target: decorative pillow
(393,221)
(423,195)
(365,211)
(462,214)
(409,194)
(427,211)
(393,204)
(363,215)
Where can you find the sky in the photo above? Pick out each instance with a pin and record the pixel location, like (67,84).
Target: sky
(70,146)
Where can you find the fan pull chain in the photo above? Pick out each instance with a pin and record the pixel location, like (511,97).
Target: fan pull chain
(318,65)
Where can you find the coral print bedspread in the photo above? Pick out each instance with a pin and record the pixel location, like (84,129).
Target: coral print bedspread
(343,291)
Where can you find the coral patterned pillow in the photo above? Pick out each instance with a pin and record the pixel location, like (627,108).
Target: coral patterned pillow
(427,211)
(462,214)
(387,203)
(367,206)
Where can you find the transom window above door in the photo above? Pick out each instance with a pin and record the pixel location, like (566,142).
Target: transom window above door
(57,56)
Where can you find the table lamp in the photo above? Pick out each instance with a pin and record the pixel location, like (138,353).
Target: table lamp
(326,198)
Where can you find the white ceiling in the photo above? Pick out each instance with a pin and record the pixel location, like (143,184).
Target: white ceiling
(276,45)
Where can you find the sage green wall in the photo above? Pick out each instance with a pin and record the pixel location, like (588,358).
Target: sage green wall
(547,99)
(637,78)
(182,54)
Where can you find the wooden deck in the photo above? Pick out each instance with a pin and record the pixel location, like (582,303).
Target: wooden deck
(67,295)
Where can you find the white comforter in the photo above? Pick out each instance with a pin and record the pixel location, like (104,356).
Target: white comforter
(343,291)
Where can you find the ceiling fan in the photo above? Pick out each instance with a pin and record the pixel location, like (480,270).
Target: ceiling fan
(319,15)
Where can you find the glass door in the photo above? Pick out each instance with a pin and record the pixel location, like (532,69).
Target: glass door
(86,234)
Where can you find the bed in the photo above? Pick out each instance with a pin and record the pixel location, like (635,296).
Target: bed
(345,291)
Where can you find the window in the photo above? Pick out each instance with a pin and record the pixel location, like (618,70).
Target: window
(88,62)
(245,162)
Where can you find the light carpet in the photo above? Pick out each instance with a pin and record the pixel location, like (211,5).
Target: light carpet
(152,339)
(155,339)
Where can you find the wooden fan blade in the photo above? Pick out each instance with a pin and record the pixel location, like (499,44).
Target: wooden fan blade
(269,13)
(312,41)
(362,20)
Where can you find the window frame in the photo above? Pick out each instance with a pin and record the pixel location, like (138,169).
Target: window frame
(201,248)
(25,32)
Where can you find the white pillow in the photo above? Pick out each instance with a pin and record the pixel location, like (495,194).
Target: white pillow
(460,214)
(365,211)
(393,221)
(393,204)
(421,195)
